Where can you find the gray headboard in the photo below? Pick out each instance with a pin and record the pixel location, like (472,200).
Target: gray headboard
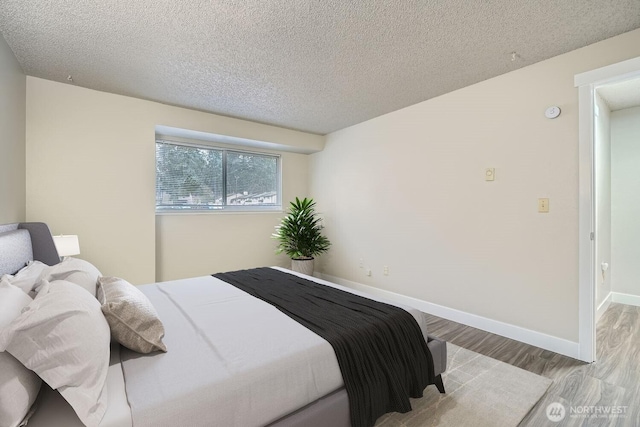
(23,242)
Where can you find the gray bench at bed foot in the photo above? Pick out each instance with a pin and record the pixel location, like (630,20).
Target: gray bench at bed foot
(438,350)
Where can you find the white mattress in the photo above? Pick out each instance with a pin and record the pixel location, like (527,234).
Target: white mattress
(173,386)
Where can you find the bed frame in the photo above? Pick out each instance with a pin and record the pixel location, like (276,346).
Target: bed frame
(27,241)
(23,242)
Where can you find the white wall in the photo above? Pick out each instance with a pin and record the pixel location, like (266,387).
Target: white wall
(91,172)
(12,142)
(625,200)
(407,190)
(603,199)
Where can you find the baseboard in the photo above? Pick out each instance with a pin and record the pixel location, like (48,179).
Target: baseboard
(603,306)
(538,339)
(625,298)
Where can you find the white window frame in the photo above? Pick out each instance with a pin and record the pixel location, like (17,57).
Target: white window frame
(224,208)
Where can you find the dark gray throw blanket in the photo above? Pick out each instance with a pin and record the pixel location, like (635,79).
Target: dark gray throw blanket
(380,348)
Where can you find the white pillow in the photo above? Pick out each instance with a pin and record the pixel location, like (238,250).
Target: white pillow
(64,338)
(27,277)
(74,270)
(19,386)
(12,301)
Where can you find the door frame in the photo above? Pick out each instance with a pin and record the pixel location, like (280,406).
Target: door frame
(587,83)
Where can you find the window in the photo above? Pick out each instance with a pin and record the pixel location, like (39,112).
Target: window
(197,178)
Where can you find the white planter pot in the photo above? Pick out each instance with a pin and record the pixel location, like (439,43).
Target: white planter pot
(304,266)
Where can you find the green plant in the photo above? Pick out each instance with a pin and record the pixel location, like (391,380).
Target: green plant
(299,234)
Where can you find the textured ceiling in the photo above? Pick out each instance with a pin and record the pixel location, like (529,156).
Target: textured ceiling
(619,96)
(311,65)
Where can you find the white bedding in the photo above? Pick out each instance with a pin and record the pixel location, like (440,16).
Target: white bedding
(232,360)
(54,411)
(254,365)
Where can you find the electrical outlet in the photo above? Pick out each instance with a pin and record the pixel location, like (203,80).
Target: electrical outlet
(361,263)
(385,270)
(543,205)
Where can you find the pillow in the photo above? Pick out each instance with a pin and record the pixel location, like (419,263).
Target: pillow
(28,277)
(12,301)
(132,318)
(64,338)
(19,386)
(74,270)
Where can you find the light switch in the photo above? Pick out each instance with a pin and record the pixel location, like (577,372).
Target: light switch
(489,174)
(543,205)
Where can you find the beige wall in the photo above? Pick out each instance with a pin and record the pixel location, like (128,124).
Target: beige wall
(12,142)
(407,190)
(625,200)
(91,172)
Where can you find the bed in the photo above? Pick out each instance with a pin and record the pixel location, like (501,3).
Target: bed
(259,367)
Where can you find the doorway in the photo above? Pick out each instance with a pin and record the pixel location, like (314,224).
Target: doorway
(592,266)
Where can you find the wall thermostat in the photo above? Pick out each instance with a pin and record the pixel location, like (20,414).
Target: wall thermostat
(552,112)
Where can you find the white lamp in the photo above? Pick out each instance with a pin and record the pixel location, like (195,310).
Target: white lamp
(67,245)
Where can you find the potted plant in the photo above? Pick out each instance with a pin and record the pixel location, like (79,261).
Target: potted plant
(299,235)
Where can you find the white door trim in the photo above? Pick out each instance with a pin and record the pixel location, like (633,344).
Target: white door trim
(586,203)
(587,84)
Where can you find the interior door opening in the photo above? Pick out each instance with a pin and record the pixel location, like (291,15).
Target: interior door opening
(599,90)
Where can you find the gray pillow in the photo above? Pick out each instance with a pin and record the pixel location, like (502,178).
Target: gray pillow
(132,318)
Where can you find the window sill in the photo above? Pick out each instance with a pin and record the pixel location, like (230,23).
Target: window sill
(275,210)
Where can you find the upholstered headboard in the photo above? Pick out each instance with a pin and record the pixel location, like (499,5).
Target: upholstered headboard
(23,242)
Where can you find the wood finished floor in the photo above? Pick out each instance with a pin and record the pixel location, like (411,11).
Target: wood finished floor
(614,380)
